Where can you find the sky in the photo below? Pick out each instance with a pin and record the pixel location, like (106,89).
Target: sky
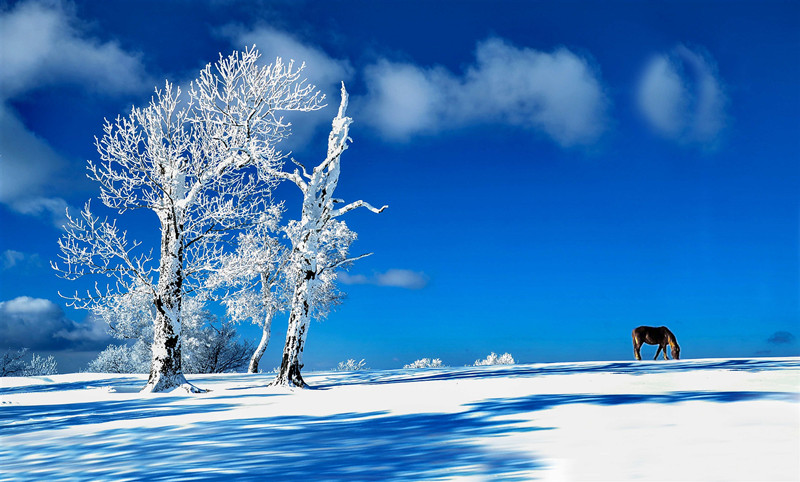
(557,173)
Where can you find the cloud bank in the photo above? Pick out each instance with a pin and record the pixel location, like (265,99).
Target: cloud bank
(42,44)
(41,324)
(397,278)
(559,94)
(681,97)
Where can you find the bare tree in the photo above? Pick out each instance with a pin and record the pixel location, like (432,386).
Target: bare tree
(308,262)
(202,164)
(253,279)
(217,349)
(258,281)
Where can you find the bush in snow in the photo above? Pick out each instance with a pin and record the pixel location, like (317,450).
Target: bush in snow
(122,359)
(40,366)
(13,365)
(493,359)
(425,363)
(217,350)
(351,365)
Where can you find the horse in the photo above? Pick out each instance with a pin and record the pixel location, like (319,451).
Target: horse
(652,335)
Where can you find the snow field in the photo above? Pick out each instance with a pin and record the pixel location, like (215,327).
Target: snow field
(689,420)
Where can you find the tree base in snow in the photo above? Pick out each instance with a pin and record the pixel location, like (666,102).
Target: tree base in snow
(289,378)
(164,383)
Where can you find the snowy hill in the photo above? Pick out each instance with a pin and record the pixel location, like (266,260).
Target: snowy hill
(717,419)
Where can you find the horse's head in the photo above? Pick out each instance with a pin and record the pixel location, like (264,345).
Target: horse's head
(676,352)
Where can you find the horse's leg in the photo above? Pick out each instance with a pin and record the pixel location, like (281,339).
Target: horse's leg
(637,345)
(665,353)
(657,352)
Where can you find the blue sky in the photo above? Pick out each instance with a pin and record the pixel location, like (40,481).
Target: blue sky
(557,173)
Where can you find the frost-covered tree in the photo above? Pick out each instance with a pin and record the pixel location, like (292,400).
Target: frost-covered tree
(12,364)
(316,229)
(254,279)
(122,359)
(192,160)
(208,345)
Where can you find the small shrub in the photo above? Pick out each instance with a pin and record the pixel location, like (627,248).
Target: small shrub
(12,364)
(351,366)
(425,363)
(122,359)
(40,366)
(493,359)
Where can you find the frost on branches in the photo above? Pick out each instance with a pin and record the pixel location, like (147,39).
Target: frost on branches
(208,345)
(493,359)
(200,162)
(253,279)
(12,364)
(315,238)
(256,278)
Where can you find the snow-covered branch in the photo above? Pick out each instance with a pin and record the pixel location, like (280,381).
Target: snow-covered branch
(355,205)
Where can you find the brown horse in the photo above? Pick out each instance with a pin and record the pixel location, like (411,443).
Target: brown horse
(652,335)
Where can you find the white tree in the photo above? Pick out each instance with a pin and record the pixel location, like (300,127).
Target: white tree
(316,229)
(13,364)
(259,276)
(193,164)
(255,280)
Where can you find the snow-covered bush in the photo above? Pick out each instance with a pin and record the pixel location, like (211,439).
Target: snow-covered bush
(13,364)
(493,359)
(122,359)
(207,349)
(351,365)
(425,363)
(40,366)
(217,350)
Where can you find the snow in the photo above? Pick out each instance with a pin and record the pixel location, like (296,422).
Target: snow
(710,419)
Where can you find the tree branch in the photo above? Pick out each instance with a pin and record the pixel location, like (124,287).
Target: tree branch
(343,262)
(355,205)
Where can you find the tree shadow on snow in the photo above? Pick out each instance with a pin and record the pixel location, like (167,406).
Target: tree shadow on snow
(347,446)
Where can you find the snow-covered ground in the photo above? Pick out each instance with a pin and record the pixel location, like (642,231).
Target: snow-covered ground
(698,420)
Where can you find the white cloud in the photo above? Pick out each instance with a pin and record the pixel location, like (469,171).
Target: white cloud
(42,44)
(398,278)
(557,93)
(681,97)
(12,258)
(52,208)
(38,323)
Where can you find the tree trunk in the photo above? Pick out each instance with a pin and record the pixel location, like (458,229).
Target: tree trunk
(165,368)
(292,360)
(266,328)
